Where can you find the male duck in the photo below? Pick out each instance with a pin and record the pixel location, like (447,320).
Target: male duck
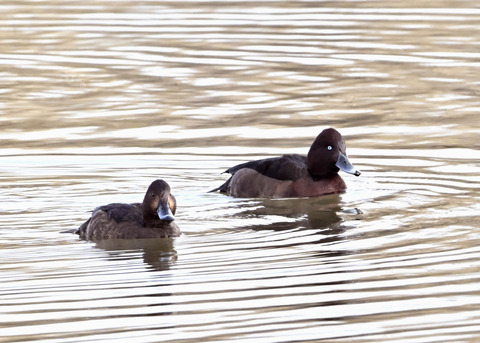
(151,219)
(294,175)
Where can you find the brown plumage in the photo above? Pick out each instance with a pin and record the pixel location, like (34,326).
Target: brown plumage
(294,175)
(153,218)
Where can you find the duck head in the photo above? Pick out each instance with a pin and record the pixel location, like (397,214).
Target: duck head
(328,155)
(159,203)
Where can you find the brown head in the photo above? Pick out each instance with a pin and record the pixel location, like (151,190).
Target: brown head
(158,204)
(328,155)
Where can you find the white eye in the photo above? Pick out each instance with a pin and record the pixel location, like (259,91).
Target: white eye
(329,147)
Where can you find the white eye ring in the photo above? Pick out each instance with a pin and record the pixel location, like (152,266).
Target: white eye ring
(329,147)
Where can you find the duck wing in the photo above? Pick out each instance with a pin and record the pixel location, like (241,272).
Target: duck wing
(287,167)
(123,212)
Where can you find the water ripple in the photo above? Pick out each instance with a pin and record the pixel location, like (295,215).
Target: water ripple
(97,100)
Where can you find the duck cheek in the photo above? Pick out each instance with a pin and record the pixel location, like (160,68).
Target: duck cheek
(164,212)
(172,202)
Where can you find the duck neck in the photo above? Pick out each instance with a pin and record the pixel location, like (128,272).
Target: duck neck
(150,218)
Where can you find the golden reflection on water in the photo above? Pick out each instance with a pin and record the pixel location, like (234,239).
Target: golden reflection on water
(99,98)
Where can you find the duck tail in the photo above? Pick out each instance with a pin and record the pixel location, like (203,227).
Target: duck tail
(69,231)
(79,230)
(223,188)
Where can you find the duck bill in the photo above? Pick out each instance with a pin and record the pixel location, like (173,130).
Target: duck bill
(164,212)
(344,164)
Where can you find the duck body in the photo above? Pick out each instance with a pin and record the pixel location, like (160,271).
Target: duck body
(241,183)
(153,218)
(294,175)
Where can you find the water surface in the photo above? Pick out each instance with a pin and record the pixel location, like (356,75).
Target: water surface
(97,99)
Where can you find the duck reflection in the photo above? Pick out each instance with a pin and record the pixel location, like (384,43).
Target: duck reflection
(316,213)
(158,253)
(324,217)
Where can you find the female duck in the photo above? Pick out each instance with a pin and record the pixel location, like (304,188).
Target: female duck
(294,175)
(151,219)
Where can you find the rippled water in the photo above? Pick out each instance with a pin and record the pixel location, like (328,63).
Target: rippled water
(98,98)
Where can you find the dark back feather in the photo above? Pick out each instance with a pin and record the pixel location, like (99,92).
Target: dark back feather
(287,167)
(124,212)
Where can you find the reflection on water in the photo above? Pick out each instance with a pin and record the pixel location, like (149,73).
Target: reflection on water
(157,253)
(98,99)
(287,214)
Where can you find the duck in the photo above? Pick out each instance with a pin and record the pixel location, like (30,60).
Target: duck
(153,218)
(293,175)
